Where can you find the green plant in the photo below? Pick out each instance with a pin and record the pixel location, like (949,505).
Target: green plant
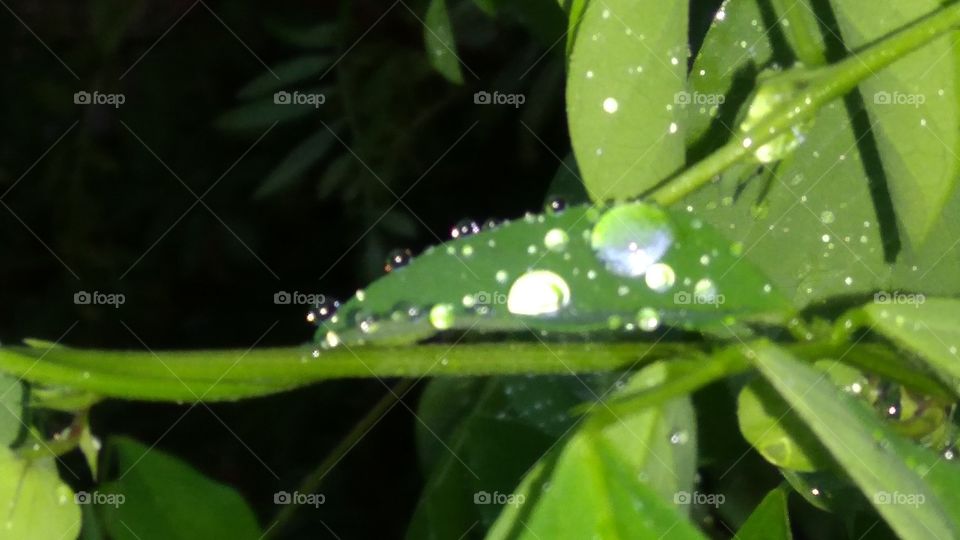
(768,239)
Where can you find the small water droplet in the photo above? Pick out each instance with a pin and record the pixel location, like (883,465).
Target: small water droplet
(556,239)
(610,105)
(397,258)
(660,277)
(442,316)
(648,319)
(323,311)
(556,204)
(464,227)
(827,217)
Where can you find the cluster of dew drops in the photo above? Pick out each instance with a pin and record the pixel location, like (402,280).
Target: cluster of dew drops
(630,240)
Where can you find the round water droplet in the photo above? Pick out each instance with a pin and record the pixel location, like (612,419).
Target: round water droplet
(442,316)
(464,227)
(630,238)
(538,292)
(648,319)
(705,291)
(610,105)
(827,217)
(397,258)
(556,240)
(660,277)
(556,204)
(492,223)
(679,437)
(501,276)
(333,339)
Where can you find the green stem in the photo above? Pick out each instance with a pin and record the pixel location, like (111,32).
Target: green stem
(816,88)
(213,375)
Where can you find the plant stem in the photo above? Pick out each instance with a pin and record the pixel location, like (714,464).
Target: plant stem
(213,375)
(816,88)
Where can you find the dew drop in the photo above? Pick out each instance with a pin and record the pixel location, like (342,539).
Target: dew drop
(442,316)
(397,258)
(464,227)
(556,204)
(556,239)
(648,319)
(538,292)
(630,238)
(827,217)
(610,105)
(660,277)
(501,276)
(323,311)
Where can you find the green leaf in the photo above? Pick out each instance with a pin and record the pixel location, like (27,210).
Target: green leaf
(285,74)
(157,496)
(914,108)
(480,436)
(11,408)
(627,65)
(683,376)
(542,273)
(929,327)
(625,479)
(35,503)
(809,221)
(877,460)
(769,424)
(296,163)
(769,521)
(438,38)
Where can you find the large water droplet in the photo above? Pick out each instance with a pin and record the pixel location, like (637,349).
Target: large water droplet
(538,292)
(773,91)
(631,238)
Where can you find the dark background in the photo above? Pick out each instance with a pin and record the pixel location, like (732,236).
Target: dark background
(96,198)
